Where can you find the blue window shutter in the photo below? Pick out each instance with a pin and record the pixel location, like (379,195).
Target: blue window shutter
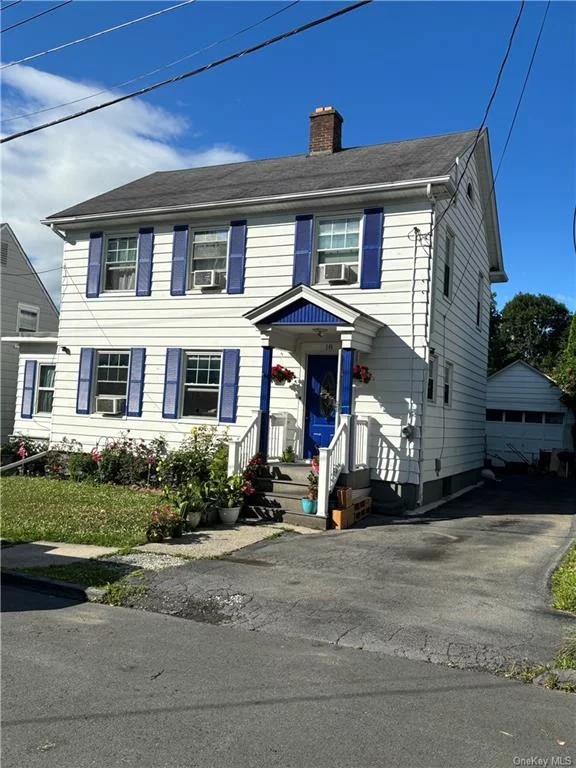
(136,382)
(179,260)
(28,389)
(236,257)
(303,250)
(229,385)
(85,377)
(172,383)
(94,265)
(145,249)
(372,248)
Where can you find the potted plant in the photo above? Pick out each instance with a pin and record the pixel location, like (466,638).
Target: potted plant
(230,495)
(280,374)
(310,501)
(193,505)
(288,455)
(165,522)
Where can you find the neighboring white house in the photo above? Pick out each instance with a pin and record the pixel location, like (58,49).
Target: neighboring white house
(26,309)
(182,290)
(524,414)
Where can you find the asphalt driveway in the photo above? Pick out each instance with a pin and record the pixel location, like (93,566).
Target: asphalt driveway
(466,585)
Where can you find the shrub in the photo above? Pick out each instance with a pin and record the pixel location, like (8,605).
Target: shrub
(127,461)
(21,447)
(81,466)
(204,450)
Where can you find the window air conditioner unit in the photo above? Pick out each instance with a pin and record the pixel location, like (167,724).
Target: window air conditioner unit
(113,406)
(207,278)
(334,273)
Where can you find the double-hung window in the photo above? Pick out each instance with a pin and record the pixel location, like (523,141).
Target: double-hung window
(27,321)
(112,381)
(202,384)
(45,393)
(338,243)
(209,253)
(120,263)
(448,264)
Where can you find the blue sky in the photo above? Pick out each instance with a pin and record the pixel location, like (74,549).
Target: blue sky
(394,70)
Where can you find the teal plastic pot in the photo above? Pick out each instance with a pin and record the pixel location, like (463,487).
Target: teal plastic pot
(309,506)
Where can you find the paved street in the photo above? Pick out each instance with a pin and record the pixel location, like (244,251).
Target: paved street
(466,585)
(87,685)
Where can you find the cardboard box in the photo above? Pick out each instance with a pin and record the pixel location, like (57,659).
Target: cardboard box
(344,497)
(347,517)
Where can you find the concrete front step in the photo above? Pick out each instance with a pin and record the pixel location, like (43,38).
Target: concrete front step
(269,486)
(297,473)
(294,517)
(273,501)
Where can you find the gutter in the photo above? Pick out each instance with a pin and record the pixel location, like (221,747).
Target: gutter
(292,197)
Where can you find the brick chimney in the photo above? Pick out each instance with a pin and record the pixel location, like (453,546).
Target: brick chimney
(325,131)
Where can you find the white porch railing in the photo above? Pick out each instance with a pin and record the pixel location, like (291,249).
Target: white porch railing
(242,449)
(278,435)
(333,461)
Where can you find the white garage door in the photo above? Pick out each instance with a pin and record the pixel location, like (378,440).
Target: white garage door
(527,431)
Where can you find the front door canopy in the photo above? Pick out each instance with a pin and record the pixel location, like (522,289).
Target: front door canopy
(303,307)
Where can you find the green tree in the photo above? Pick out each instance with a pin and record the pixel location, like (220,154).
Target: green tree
(533,328)
(565,371)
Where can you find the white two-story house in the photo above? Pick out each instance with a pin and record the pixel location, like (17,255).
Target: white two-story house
(182,290)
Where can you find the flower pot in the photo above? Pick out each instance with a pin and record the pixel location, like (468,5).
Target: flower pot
(309,506)
(153,535)
(229,515)
(193,519)
(176,531)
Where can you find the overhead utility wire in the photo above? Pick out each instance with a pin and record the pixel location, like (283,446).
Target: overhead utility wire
(37,16)
(96,34)
(153,71)
(5,7)
(25,274)
(508,137)
(191,73)
(486,111)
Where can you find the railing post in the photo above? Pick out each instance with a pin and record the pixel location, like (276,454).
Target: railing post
(346,420)
(323,482)
(233,456)
(352,437)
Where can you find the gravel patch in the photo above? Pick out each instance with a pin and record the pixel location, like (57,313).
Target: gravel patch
(148,561)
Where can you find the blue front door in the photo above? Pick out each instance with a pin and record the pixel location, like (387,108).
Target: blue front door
(321,387)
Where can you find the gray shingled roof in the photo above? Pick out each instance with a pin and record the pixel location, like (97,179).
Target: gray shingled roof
(376,164)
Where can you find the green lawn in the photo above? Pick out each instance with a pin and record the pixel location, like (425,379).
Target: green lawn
(35,508)
(564,582)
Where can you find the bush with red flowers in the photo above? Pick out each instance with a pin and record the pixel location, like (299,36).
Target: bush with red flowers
(281,374)
(362,373)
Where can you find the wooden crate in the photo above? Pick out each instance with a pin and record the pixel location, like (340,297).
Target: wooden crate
(347,517)
(344,498)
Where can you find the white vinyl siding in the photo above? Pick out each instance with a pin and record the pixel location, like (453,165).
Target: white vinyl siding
(120,263)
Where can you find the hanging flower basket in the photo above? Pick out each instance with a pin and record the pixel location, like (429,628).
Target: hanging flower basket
(362,373)
(281,374)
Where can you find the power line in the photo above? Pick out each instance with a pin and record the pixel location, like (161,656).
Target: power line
(37,16)
(508,137)
(25,274)
(191,73)
(158,69)
(5,7)
(486,111)
(96,34)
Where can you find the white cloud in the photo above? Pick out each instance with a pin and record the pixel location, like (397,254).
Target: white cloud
(60,166)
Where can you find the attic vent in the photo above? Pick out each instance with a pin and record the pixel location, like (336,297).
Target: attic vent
(3,254)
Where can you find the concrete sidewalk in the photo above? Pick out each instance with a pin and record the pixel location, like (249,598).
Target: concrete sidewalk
(36,554)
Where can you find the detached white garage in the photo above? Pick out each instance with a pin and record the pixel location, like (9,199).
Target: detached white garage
(524,414)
